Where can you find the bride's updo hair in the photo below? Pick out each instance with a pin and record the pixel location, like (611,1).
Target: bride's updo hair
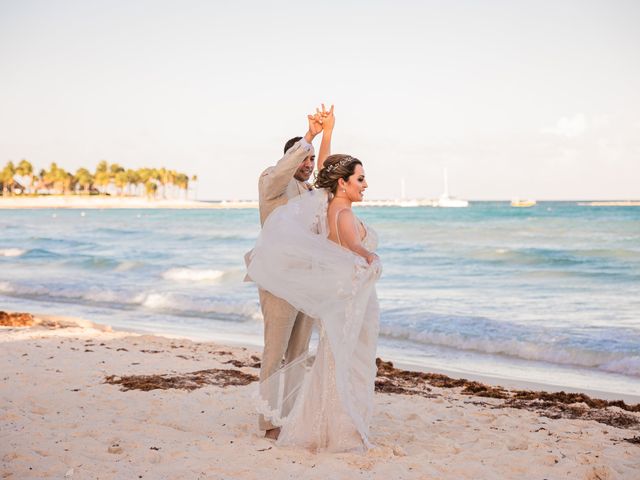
(336,167)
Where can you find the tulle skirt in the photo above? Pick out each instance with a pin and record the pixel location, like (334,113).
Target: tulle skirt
(329,397)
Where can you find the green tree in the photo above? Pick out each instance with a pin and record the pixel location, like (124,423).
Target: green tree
(6,178)
(161,176)
(114,169)
(151,187)
(50,176)
(194,179)
(182,182)
(84,179)
(152,182)
(102,181)
(102,166)
(133,179)
(120,181)
(66,180)
(60,179)
(25,170)
(39,184)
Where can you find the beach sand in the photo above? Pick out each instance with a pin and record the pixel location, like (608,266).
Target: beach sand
(79,400)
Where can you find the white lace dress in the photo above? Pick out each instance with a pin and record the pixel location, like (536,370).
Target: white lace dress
(326,402)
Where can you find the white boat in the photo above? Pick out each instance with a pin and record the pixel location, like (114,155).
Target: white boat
(403,202)
(446,201)
(408,203)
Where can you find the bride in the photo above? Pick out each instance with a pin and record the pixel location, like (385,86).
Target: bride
(317,255)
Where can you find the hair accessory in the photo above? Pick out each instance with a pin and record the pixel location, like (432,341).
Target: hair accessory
(342,163)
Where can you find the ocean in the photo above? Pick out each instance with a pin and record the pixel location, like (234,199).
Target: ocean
(548,294)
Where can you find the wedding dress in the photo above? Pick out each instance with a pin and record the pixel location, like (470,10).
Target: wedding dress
(326,402)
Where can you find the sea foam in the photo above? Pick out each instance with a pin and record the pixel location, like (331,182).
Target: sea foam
(12,252)
(192,274)
(173,303)
(183,304)
(555,353)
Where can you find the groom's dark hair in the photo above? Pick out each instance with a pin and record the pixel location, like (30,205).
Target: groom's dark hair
(291,143)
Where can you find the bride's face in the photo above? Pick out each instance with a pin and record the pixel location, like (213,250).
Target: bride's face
(356,185)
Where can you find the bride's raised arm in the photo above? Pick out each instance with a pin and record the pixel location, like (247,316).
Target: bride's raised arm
(328,121)
(349,235)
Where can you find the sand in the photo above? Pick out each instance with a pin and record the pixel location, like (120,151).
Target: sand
(78,400)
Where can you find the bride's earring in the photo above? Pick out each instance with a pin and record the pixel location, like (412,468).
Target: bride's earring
(344,190)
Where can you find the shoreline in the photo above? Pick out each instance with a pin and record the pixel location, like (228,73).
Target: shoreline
(255,343)
(116,202)
(112,202)
(235,341)
(83,399)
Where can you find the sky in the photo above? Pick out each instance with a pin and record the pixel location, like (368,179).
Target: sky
(529,99)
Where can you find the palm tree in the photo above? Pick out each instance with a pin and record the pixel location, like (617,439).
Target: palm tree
(102,166)
(182,182)
(194,179)
(49,177)
(163,178)
(66,181)
(133,179)
(6,177)
(150,188)
(145,175)
(143,181)
(102,178)
(114,169)
(40,183)
(156,177)
(61,179)
(120,180)
(84,179)
(25,170)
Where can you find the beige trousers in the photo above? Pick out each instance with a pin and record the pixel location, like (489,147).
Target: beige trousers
(286,335)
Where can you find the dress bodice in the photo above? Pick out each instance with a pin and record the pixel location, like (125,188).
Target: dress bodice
(370,240)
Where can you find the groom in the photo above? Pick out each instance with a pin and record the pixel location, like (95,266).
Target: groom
(286,330)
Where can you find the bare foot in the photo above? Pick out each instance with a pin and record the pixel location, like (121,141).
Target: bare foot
(272,433)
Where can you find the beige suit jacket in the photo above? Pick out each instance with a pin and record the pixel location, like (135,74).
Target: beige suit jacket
(277,185)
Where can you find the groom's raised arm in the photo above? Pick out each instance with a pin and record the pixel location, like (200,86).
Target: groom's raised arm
(273,181)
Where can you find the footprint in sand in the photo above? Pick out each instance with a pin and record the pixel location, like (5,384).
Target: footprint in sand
(38,410)
(115,448)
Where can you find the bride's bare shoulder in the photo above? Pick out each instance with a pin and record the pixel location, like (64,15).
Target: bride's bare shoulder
(340,211)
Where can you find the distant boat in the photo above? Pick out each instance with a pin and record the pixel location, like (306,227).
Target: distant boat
(409,203)
(403,202)
(615,203)
(522,203)
(445,200)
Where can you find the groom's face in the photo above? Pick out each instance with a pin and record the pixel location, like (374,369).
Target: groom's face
(305,169)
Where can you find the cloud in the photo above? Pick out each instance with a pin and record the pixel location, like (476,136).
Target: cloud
(569,127)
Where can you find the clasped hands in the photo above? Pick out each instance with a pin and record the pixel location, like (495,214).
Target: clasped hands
(321,121)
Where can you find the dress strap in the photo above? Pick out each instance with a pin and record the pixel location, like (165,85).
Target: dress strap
(337,229)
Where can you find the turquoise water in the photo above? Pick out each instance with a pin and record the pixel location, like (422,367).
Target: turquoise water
(548,294)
